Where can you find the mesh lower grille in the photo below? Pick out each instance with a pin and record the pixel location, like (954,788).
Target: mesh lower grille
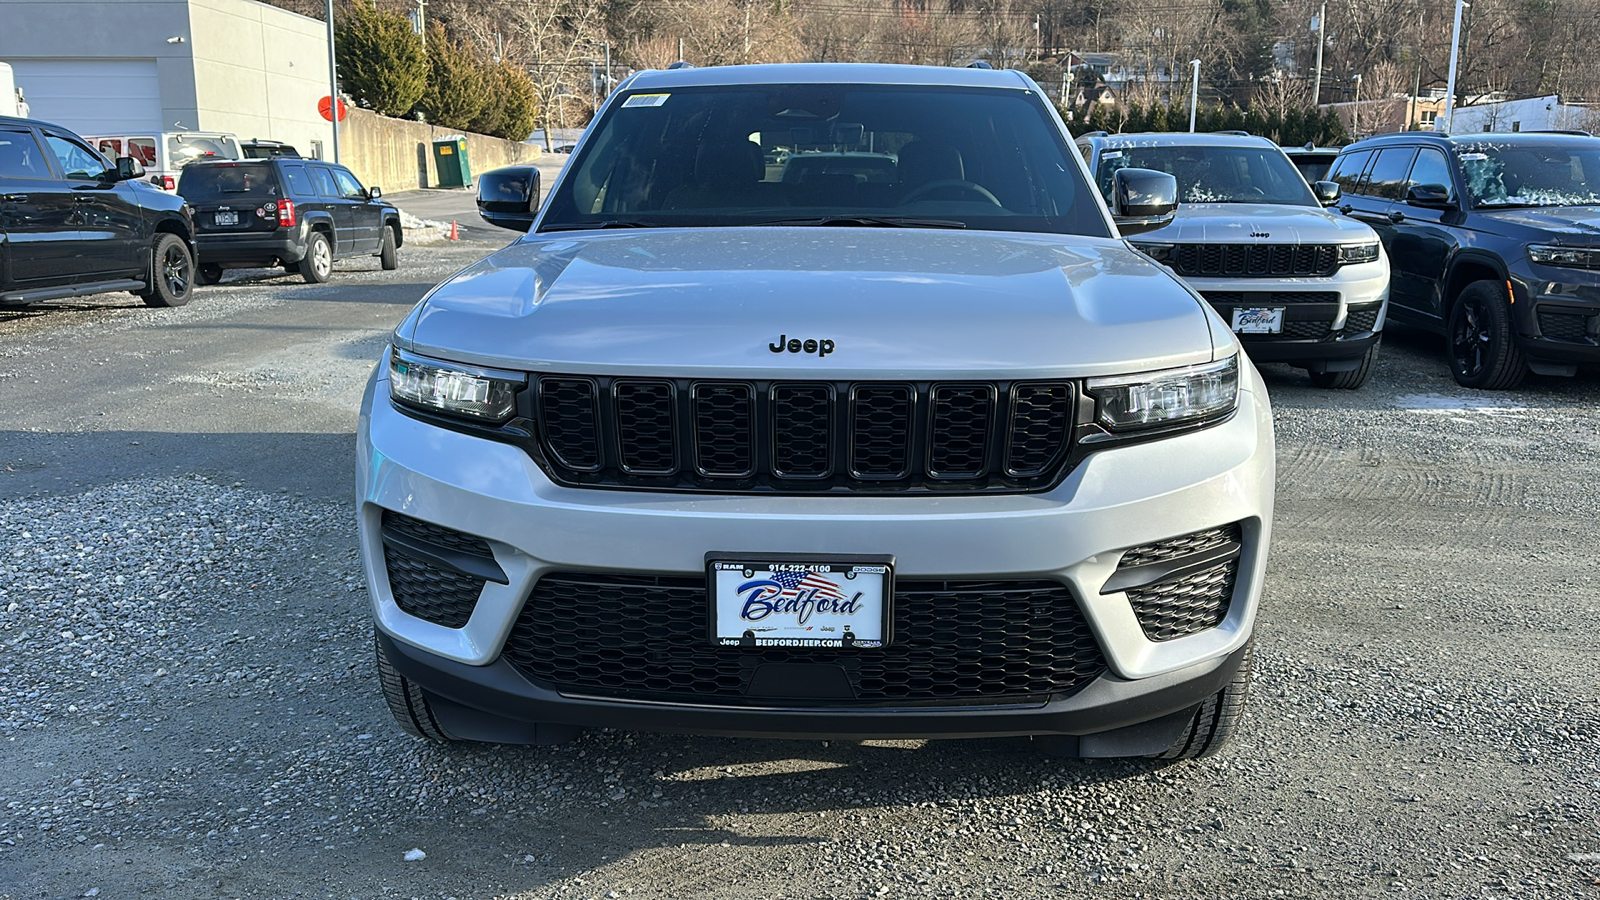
(421,586)
(1564,326)
(1360,321)
(1184,606)
(646,637)
(1185,545)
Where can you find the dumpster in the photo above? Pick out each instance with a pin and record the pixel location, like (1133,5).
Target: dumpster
(450,161)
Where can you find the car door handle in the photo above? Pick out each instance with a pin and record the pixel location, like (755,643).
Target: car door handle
(1396,216)
(79,198)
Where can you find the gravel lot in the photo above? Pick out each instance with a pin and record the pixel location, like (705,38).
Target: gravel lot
(188,709)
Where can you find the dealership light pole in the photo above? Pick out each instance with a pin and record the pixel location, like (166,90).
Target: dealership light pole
(1450,85)
(1194,93)
(1322,30)
(333,85)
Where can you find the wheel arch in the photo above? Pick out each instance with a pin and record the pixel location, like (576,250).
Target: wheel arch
(393,221)
(1466,269)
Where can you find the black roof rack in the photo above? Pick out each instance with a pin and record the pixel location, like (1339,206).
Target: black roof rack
(1095,134)
(1234,131)
(1572,131)
(680,64)
(979,64)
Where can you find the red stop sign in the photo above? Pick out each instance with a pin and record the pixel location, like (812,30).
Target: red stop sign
(325,107)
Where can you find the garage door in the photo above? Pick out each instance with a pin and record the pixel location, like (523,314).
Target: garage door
(92,96)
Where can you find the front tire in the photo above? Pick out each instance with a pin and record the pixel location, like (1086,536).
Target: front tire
(1483,348)
(172,273)
(1217,718)
(1354,379)
(318,263)
(388,255)
(407,703)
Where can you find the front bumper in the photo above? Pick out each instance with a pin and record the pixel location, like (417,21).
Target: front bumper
(1343,321)
(1074,534)
(1561,326)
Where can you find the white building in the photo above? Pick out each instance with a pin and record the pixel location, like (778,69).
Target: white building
(1530,114)
(126,66)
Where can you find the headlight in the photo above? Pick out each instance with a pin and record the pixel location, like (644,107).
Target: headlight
(1158,252)
(1358,253)
(1167,397)
(1577,257)
(452,388)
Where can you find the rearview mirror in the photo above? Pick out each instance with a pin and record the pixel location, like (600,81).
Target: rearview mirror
(1428,195)
(129,168)
(509,197)
(1143,200)
(1328,192)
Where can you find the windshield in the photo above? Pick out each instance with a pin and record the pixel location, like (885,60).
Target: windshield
(226,181)
(1511,175)
(823,154)
(183,149)
(1214,174)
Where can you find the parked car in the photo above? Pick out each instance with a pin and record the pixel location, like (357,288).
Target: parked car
(298,214)
(164,154)
(1300,284)
(72,223)
(941,456)
(1312,161)
(1496,244)
(261,149)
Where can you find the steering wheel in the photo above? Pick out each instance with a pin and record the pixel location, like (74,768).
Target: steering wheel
(956,183)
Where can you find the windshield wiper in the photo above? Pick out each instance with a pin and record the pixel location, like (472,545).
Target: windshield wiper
(872,221)
(609,223)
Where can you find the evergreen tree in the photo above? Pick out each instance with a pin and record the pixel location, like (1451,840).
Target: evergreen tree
(381,60)
(521,104)
(455,94)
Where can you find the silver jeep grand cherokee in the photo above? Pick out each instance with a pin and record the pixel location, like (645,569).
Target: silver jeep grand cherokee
(819,401)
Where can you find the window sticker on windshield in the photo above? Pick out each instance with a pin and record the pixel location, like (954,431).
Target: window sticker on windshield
(645,100)
(1474,157)
(1111,154)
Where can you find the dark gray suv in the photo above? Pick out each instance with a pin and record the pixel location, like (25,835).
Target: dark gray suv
(301,214)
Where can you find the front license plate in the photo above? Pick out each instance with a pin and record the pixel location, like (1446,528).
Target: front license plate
(801,601)
(1258,321)
(227,218)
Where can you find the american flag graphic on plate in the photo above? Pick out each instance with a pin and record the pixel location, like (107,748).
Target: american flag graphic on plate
(799,604)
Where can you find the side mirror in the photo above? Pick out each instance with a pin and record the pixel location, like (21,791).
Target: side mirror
(509,197)
(1435,195)
(374,192)
(1328,192)
(1143,200)
(128,168)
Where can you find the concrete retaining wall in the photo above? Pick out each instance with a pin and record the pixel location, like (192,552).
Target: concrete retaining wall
(397,154)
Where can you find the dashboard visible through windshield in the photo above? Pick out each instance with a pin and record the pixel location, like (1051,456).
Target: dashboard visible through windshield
(827,154)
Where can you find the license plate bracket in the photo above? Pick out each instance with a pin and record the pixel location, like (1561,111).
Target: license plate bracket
(801,600)
(1258,320)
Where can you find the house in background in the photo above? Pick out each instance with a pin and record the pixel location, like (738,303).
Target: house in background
(1529,114)
(129,66)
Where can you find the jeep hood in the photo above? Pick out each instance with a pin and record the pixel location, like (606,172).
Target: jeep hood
(1575,225)
(1240,223)
(895,302)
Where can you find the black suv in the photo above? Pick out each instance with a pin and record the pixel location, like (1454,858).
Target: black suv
(301,214)
(1494,240)
(73,224)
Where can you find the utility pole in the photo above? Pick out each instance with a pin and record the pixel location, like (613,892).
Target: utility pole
(1450,85)
(1355,110)
(746,57)
(680,48)
(1416,88)
(1322,31)
(1194,93)
(333,85)
(421,19)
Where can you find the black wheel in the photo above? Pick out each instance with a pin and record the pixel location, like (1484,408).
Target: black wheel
(318,264)
(406,701)
(1483,349)
(1351,380)
(210,273)
(171,272)
(1216,719)
(388,255)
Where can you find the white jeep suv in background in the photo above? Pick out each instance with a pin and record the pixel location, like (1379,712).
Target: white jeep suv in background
(915,449)
(1299,284)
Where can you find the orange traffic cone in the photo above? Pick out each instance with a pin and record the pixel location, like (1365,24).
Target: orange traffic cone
(455,233)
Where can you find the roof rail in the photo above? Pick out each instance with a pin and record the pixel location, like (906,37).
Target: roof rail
(979,64)
(1095,134)
(680,64)
(1573,131)
(1234,131)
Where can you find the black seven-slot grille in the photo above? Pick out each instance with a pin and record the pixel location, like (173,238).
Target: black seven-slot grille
(1255,260)
(647,638)
(1182,585)
(435,573)
(800,436)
